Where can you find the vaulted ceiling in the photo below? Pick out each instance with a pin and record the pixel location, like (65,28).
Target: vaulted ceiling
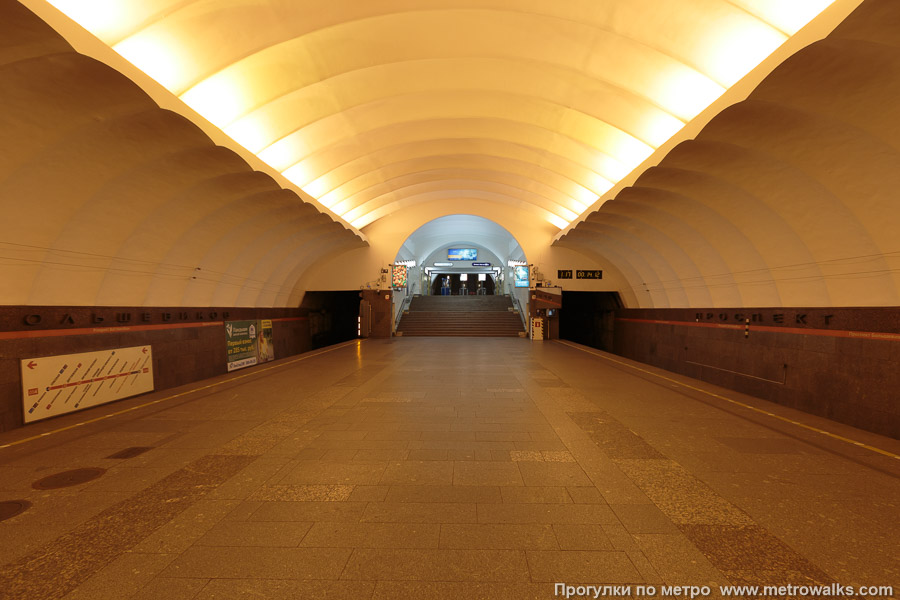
(294,145)
(369,107)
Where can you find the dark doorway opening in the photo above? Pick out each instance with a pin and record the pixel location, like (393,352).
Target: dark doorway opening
(588,318)
(456,285)
(332,316)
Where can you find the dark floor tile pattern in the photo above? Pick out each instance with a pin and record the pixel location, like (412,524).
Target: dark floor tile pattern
(59,567)
(616,440)
(745,552)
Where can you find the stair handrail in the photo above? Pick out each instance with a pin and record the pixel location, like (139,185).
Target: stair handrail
(403,306)
(517,305)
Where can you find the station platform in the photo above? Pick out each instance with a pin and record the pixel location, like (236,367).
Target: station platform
(435,468)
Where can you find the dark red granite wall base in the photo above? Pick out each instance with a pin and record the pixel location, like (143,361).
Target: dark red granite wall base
(839,363)
(183,352)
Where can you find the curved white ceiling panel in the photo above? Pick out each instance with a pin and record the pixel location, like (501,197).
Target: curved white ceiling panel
(357,101)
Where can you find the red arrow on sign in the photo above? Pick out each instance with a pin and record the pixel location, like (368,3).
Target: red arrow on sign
(144,350)
(31,365)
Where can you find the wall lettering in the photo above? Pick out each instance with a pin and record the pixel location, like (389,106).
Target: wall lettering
(113,316)
(778,318)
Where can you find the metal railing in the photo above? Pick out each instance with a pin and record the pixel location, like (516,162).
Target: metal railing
(403,306)
(510,291)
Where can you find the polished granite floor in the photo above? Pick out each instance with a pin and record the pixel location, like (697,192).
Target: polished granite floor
(444,468)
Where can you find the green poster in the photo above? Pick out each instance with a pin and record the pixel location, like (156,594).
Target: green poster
(241,343)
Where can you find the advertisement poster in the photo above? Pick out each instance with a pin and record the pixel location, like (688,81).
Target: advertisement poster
(266,347)
(398,277)
(241,344)
(521,277)
(55,385)
(462,254)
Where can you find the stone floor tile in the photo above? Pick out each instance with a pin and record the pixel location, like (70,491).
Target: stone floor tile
(342,435)
(450,436)
(646,569)
(373,535)
(619,537)
(501,455)
(124,576)
(418,473)
(437,565)
(535,495)
(486,473)
(288,589)
(403,435)
(345,473)
(553,473)
(342,450)
(242,511)
(749,549)
(498,536)
(309,511)
(297,493)
(557,456)
(582,537)
(425,426)
(411,512)
(682,497)
(368,493)
(546,513)
(585,495)
(460,454)
(525,455)
(586,567)
(261,533)
(643,518)
(678,561)
(170,588)
(484,454)
(259,563)
(448,590)
(503,436)
(549,446)
(543,436)
(310,454)
(443,493)
(422,454)
(381,455)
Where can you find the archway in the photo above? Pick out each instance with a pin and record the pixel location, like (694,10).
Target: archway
(465,257)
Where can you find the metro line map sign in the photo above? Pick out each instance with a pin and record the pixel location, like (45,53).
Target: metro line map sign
(55,385)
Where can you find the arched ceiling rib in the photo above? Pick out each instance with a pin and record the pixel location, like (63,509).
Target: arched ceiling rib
(786,199)
(111,200)
(326,91)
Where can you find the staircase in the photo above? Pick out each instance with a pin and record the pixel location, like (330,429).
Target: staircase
(485,316)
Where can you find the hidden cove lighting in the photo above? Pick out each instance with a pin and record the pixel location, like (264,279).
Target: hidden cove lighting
(379,127)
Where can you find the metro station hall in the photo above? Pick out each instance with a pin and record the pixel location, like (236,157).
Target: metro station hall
(449,300)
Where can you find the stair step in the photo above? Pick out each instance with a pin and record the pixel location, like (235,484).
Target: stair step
(461,316)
